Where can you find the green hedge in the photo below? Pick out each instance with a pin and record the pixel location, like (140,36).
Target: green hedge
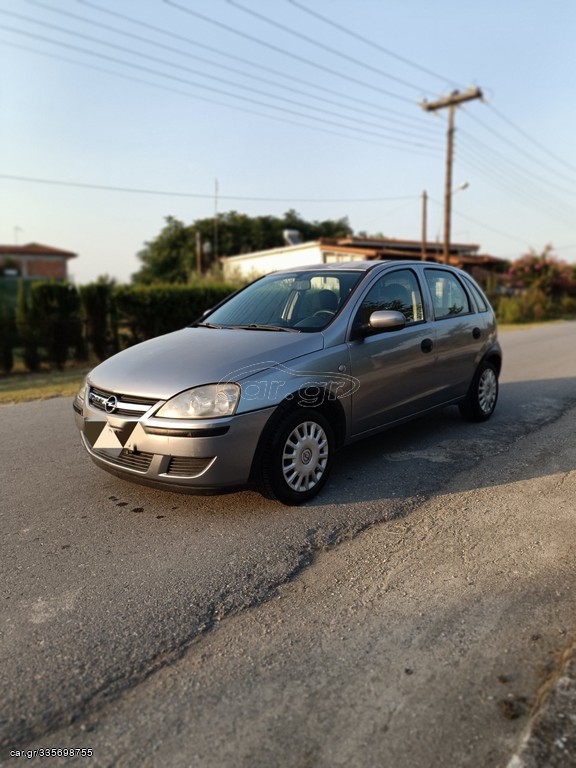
(97,320)
(148,311)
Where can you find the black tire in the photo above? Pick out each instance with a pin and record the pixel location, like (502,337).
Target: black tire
(482,396)
(296,457)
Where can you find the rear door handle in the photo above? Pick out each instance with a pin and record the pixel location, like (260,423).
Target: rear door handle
(427,345)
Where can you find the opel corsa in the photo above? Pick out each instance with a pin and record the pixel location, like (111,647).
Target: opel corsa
(268,385)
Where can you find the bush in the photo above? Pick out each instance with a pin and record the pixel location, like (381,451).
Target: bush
(148,311)
(98,309)
(27,328)
(530,307)
(56,310)
(7,336)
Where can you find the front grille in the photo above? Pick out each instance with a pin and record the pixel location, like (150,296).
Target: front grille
(138,462)
(187,466)
(126,405)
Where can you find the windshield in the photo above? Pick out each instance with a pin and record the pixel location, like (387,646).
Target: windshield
(299,301)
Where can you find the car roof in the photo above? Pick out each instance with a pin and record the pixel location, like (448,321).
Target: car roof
(357,266)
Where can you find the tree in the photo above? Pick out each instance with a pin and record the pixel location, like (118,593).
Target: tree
(171,257)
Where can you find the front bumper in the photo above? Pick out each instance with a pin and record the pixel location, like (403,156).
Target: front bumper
(185,457)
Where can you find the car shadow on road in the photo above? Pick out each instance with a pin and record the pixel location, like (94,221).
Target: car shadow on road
(420,457)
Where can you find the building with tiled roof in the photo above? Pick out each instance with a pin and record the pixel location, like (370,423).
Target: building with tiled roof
(35,261)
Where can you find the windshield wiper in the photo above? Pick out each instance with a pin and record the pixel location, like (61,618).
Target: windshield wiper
(206,325)
(258,327)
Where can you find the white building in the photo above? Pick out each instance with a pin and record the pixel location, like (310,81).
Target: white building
(248,266)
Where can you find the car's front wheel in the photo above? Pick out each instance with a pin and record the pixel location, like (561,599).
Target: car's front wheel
(297,457)
(482,396)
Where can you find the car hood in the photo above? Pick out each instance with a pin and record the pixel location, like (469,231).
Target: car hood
(166,365)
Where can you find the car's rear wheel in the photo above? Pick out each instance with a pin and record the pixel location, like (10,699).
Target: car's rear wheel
(483,394)
(297,457)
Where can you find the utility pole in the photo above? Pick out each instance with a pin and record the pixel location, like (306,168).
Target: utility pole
(198,253)
(451,102)
(215,246)
(424,225)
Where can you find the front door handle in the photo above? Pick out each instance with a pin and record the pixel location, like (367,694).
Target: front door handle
(427,345)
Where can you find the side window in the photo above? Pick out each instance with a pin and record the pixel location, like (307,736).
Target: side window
(448,295)
(478,297)
(398,291)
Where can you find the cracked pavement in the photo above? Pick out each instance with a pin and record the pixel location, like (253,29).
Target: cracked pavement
(424,593)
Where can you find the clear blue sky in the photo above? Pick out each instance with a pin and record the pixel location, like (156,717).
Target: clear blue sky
(309,104)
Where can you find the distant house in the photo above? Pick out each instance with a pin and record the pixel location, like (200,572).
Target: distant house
(34,262)
(332,250)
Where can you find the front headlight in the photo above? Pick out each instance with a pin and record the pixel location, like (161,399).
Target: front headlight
(211,401)
(81,394)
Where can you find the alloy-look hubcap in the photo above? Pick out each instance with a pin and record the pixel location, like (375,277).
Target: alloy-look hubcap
(487,390)
(305,456)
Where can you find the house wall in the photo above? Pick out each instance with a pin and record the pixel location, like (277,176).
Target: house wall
(254,265)
(48,267)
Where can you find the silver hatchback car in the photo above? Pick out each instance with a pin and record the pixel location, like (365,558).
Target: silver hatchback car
(266,386)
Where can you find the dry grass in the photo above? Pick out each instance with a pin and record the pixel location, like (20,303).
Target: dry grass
(21,387)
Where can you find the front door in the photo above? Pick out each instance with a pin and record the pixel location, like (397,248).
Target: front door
(396,369)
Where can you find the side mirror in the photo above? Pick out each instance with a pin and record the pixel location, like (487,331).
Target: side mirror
(385,320)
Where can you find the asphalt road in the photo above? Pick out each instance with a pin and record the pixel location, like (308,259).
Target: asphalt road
(107,589)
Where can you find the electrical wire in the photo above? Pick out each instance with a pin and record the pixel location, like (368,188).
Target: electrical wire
(516,148)
(531,139)
(201,196)
(322,46)
(168,89)
(411,130)
(479,223)
(398,141)
(196,72)
(283,51)
(405,119)
(371,43)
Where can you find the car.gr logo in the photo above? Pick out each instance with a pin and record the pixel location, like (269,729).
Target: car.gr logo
(308,389)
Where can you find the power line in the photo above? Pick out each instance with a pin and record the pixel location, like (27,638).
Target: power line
(184,68)
(371,43)
(206,87)
(284,52)
(322,46)
(245,110)
(520,193)
(218,65)
(261,67)
(518,149)
(196,195)
(531,139)
(481,224)
(525,177)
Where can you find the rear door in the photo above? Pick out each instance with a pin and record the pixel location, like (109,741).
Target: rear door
(459,332)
